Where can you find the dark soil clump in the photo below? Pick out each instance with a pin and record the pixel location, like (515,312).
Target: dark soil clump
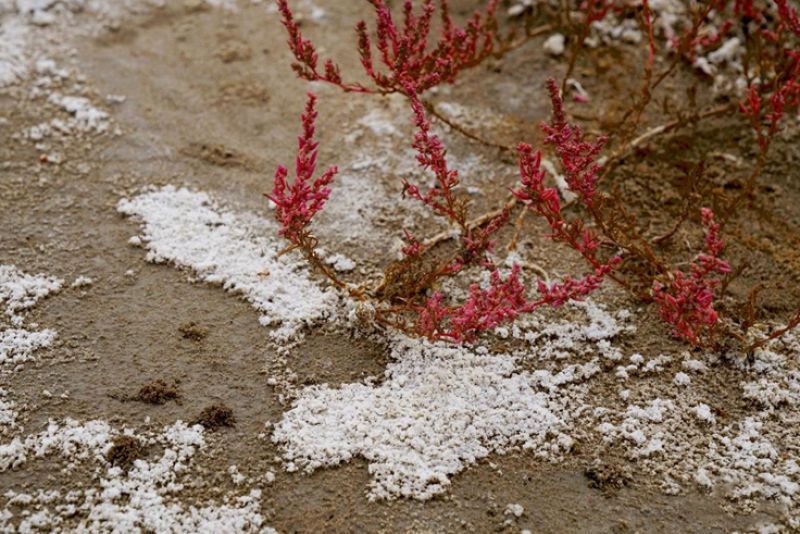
(157,392)
(192,330)
(607,477)
(215,417)
(124,452)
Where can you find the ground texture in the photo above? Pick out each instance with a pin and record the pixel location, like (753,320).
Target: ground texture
(164,369)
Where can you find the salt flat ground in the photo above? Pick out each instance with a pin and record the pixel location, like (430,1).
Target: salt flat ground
(138,139)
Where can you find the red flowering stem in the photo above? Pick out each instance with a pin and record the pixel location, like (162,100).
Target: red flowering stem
(297,202)
(307,58)
(503,302)
(403,50)
(431,156)
(760,109)
(577,157)
(560,293)
(407,56)
(789,17)
(687,301)
(442,199)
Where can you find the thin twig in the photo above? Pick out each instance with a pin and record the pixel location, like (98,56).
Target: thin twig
(624,150)
(522,40)
(793,323)
(518,229)
(480,221)
(460,129)
(691,183)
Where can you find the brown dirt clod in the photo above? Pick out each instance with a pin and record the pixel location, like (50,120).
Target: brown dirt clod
(157,392)
(215,416)
(192,330)
(607,477)
(124,452)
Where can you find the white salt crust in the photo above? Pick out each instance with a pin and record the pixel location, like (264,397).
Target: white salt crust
(146,499)
(188,229)
(749,460)
(440,409)
(19,292)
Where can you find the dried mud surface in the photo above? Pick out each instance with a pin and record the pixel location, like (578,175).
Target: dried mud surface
(212,103)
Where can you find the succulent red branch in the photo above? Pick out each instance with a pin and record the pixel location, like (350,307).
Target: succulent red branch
(297,202)
(402,57)
(687,301)
(404,51)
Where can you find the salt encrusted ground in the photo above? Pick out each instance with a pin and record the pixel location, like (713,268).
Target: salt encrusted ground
(145,499)
(18,293)
(222,249)
(440,408)
(566,390)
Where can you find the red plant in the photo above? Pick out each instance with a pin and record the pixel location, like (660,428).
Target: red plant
(580,173)
(411,63)
(442,199)
(687,302)
(483,311)
(431,157)
(404,60)
(786,92)
(788,16)
(577,157)
(296,203)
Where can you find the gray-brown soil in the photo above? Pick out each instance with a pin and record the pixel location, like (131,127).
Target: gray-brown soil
(212,103)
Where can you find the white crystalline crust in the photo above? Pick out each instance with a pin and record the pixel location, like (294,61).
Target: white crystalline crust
(147,499)
(8,416)
(17,345)
(188,229)
(13,56)
(341,263)
(749,459)
(439,410)
(776,378)
(19,292)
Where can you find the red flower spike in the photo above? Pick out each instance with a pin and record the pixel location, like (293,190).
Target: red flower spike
(687,302)
(306,55)
(577,157)
(404,51)
(486,309)
(431,156)
(788,16)
(298,202)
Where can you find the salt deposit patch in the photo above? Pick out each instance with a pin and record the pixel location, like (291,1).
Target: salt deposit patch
(775,371)
(13,55)
(19,292)
(749,459)
(440,409)
(560,340)
(188,229)
(146,499)
(17,345)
